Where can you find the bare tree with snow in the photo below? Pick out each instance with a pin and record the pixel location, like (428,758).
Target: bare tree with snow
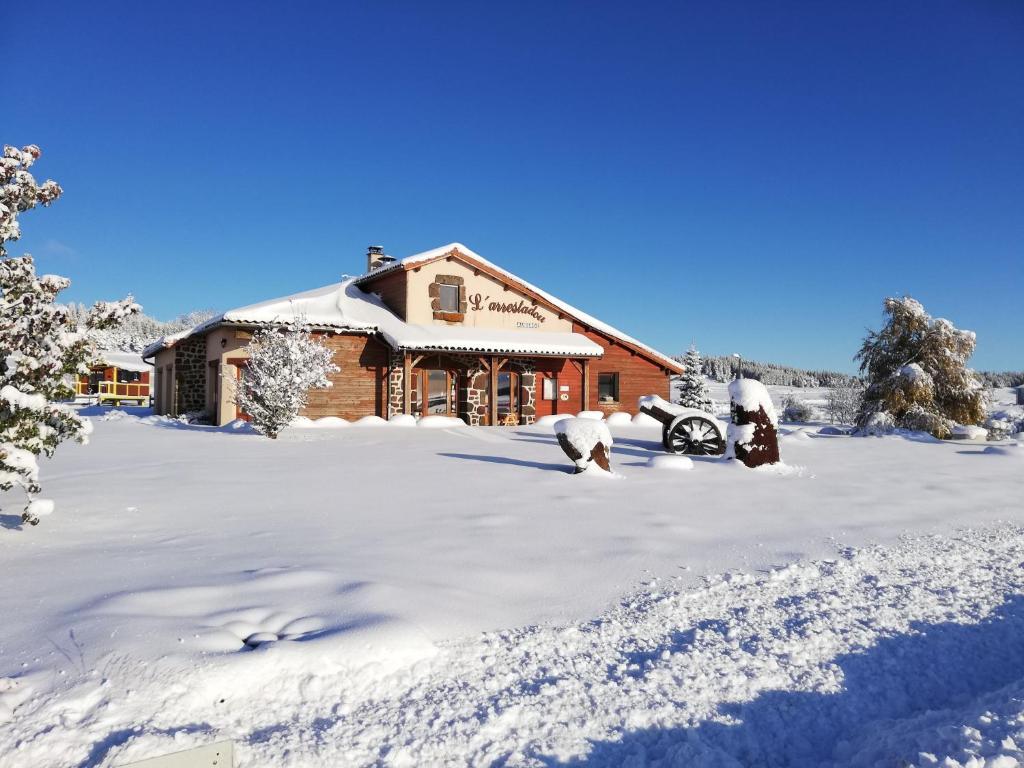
(37,348)
(284,364)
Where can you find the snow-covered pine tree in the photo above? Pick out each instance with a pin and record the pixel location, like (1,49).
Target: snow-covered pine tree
(284,364)
(37,348)
(693,390)
(917,374)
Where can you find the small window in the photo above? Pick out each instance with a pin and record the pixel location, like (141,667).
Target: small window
(449,295)
(548,389)
(608,387)
(127,377)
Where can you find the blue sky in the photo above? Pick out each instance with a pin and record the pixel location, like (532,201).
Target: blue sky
(754,177)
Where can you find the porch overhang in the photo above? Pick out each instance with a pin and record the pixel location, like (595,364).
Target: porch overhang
(428,338)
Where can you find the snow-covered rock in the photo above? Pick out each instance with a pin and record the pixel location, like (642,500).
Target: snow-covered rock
(619,419)
(586,441)
(968,432)
(670,461)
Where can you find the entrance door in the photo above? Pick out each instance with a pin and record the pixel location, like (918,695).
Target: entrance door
(439,396)
(508,397)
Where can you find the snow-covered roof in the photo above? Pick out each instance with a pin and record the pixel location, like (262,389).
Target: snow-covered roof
(344,306)
(568,309)
(126,361)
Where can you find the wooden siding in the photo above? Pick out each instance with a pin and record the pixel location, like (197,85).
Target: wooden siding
(393,291)
(637,375)
(358,388)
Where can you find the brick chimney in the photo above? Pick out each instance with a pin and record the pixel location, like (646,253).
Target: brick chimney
(374,256)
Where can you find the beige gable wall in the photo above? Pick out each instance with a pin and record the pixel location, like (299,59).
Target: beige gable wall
(222,343)
(481,292)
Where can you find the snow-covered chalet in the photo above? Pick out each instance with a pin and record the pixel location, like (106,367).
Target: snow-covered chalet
(441,332)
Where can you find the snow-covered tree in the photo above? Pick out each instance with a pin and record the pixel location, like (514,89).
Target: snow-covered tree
(917,374)
(693,389)
(37,347)
(284,364)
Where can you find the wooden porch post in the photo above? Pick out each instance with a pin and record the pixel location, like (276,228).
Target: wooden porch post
(492,395)
(586,384)
(407,383)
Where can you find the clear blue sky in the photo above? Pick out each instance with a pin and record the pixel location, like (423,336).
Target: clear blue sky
(752,176)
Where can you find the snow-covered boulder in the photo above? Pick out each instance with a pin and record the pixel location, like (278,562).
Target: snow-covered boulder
(968,432)
(595,415)
(551,419)
(586,442)
(643,420)
(370,421)
(436,421)
(752,436)
(619,419)
(672,461)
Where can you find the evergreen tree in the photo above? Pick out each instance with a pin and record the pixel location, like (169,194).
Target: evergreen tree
(284,364)
(693,389)
(917,374)
(37,349)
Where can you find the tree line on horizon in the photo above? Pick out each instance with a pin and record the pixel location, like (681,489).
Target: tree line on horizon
(723,368)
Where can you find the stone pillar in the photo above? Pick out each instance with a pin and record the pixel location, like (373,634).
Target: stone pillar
(190,371)
(396,392)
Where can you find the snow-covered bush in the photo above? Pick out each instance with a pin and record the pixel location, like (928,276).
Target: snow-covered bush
(916,368)
(1005,422)
(752,436)
(842,402)
(693,389)
(283,365)
(795,409)
(37,350)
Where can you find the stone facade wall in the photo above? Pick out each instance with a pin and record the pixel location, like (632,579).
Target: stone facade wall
(396,378)
(190,375)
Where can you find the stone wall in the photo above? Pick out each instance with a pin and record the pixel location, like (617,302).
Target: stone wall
(396,377)
(190,375)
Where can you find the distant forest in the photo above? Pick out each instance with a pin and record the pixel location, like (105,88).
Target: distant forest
(723,368)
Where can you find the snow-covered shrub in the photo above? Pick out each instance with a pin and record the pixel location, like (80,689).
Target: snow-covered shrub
(752,436)
(585,441)
(693,389)
(38,352)
(283,365)
(842,402)
(795,409)
(877,424)
(916,368)
(1003,423)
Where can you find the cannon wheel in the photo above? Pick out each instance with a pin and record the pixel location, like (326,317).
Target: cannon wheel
(695,436)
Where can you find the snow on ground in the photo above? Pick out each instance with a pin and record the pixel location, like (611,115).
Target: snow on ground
(420,597)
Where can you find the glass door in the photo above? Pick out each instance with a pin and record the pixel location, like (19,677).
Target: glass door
(439,393)
(508,398)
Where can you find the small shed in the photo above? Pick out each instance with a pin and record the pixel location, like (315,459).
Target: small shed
(115,378)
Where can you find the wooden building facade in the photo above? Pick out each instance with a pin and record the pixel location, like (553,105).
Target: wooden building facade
(444,332)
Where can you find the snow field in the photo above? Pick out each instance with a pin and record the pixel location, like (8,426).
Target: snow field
(421,597)
(906,655)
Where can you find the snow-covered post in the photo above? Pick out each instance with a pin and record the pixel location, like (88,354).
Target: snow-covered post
(283,365)
(37,347)
(752,437)
(585,441)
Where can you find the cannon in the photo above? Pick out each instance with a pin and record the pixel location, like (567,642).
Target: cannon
(686,430)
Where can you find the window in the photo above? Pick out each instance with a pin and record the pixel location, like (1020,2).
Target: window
(449,295)
(548,389)
(608,387)
(128,377)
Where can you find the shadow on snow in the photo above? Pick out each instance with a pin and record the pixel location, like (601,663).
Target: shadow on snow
(934,667)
